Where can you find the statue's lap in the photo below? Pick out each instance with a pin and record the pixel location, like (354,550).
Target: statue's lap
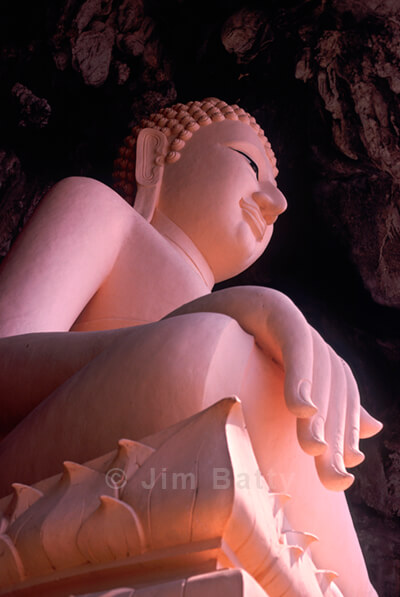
(151,377)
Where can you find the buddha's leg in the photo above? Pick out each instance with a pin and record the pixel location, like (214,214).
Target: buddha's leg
(159,374)
(150,378)
(33,365)
(287,468)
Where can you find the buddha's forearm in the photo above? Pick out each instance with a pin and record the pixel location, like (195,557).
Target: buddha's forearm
(279,329)
(33,365)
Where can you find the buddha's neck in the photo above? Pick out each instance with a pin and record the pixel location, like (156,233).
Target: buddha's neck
(182,243)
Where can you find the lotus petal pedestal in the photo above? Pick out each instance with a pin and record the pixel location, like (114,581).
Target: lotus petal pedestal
(184,512)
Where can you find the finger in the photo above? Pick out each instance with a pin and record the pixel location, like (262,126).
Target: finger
(293,334)
(369,426)
(352,455)
(311,431)
(330,464)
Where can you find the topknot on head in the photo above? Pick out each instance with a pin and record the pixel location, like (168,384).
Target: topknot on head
(178,123)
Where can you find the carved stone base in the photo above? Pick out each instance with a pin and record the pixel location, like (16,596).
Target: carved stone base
(185,502)
(232,583)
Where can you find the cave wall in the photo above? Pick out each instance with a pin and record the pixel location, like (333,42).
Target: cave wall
(323,79)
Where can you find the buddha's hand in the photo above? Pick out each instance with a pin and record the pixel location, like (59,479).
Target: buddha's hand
(319,387)
(321,391)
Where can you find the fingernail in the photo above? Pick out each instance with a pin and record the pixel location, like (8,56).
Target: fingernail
(360,456)
(354,457)
(369,426)
(338,465)
(378,423)
(304,393)
(370,419)
(357,456)
(317,430)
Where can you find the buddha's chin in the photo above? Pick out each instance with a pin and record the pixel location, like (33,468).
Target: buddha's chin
(240,251)
(248,247)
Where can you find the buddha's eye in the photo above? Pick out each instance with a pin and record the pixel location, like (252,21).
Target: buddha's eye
(252,163)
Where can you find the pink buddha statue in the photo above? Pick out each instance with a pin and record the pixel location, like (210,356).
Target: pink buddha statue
(109,327)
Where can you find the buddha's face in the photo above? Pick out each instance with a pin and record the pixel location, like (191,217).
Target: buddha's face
(223,195)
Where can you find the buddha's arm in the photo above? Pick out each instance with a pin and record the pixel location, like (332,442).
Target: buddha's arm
(320,389)
(56,265)
(62,257)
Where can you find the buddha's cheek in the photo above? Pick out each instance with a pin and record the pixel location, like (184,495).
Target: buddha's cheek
(246,241)
(240,250)
(249,248)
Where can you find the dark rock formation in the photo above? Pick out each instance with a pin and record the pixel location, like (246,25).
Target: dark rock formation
(323,78)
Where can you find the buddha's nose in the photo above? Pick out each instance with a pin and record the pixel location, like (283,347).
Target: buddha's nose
(271,202)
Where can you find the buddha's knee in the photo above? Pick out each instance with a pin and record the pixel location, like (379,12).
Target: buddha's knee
(178,338)
(151,377)
(188,361)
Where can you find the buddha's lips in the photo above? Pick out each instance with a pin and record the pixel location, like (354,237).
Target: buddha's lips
(256,219)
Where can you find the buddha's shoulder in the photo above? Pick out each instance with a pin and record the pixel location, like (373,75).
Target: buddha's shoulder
(81,193)
(89,189)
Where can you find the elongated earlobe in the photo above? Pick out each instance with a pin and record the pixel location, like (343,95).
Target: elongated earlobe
(151,148)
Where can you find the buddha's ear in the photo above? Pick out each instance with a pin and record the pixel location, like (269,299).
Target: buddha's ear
(151,148)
